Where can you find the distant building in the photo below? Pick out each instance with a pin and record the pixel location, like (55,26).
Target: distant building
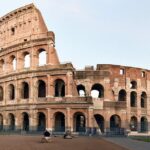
(38,92)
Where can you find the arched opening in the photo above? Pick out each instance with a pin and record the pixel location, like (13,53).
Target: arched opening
(113,95)
(133,85)
(42,57)
(25,121)
(59,122)
(11,92)
(1,93)
(133,124)
(144,124)
(2,65)
(26,60)
(115,122)
(14,62)
(122,95)
(97,91)
(81,90)
(11,119)
(100,122)
(1,122)
(143,100)
(25,90)
(41,89)
(41,122)
(79,122)
(59,88)
(133,99)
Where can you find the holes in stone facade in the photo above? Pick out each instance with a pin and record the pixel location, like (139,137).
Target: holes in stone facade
(59,88)
(13,62)
(25,90)
(81,90)
(11,122)
(42,57)
(143,74)
(144,124)
(97,91)
(26,60)
(41,89)
(100,122)
(133,99)
(59,122)
(143,100)
(25,118)
(2,65)
(79,122)
(1,122)
(1,93)
(12,31)
(115,122)
(133,85)
(122,72)
(11,93)
(122,95)
(133,123)
(41,122)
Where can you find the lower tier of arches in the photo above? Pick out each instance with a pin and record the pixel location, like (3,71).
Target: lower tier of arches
(76,120)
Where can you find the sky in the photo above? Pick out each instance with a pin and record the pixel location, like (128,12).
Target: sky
(90,32)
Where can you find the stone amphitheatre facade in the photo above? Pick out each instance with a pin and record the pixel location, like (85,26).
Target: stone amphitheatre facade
(38,92)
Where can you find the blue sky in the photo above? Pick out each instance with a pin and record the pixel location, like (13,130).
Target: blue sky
(90,32)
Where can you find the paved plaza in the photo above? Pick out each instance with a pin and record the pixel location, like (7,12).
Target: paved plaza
(129,143)
(16,142)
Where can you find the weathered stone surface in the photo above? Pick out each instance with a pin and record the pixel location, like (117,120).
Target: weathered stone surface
(37,95)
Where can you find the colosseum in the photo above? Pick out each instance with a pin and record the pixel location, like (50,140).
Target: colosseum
(38,92)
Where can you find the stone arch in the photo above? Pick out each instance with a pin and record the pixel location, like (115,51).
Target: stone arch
(133,84)
(25,90)
(11,122)
(133,123)
(11,92)
(41,88)
(79,122)
(122,95)
(41,121)
(13,62)
(26,58)
(81,90)
(144,124)
(59,125)
(2,65)
(100,122)
(115,122)
(25,121)
(133,99)
(59,88)
(143,100)
(42,57)
(97,91)
(1,122)
(1,93)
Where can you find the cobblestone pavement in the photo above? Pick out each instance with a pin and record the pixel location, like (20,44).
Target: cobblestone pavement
(129,143)
(16,142)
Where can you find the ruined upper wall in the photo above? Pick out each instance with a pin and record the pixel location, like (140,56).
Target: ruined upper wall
(113,71)
(21,23)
